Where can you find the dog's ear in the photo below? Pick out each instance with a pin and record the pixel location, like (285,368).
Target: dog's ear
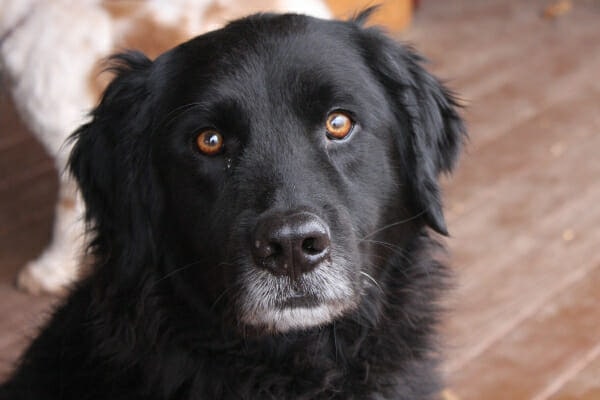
(430,131)
(111,163)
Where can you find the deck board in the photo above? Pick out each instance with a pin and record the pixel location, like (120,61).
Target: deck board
(528,183)
(584,383)
(527,361)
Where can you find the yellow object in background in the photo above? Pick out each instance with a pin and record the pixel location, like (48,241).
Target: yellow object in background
(395,15)
(449,395)
(557,9)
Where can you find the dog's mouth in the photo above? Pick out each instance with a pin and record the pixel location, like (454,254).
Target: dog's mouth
(277,304)
(296,314)
(300,300)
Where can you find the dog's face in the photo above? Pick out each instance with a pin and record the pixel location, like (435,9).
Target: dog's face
(276,141)
(270,167)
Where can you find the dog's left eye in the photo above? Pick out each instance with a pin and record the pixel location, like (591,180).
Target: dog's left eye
(210,142)
(339,125)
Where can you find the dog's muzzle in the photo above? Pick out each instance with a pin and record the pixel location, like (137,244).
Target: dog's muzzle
(297,276)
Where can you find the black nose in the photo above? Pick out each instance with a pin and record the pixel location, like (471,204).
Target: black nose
(290,244)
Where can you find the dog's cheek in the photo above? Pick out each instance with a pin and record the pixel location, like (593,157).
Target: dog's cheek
(374,191)
(195,234)
(384,217)
(191,200)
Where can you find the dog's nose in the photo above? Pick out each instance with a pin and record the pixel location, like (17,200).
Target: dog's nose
(291,244)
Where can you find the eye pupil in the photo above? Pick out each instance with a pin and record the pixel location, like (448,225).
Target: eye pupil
(210,142)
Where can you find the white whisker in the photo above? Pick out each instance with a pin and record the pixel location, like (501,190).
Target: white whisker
(404,221)
(371,279)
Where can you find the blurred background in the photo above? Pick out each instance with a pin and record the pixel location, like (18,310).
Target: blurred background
(523,207)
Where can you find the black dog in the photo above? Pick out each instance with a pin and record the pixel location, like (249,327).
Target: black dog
(260,199)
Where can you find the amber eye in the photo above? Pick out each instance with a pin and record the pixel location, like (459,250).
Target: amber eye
(339,125)
(210,142)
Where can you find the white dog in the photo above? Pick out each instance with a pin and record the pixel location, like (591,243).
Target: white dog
(51,52)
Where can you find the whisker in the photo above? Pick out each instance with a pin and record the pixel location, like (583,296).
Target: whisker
(400,270)
(404,221)
(176,271)
(387,245)
(398,251)
(368,276)
(222,295)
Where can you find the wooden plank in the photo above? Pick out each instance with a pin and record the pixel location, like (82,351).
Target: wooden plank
(27,203)
(547,143)
(490,62)
(584,384)
(510,235)
(533,269)
(24,244)
(20,317)
(527,361)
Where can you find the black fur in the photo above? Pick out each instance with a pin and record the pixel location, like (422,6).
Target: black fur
(161,315)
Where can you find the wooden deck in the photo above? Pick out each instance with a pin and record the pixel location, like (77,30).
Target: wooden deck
(523,207)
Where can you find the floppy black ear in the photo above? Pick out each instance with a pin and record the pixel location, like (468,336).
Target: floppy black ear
(111,162)
(430,132)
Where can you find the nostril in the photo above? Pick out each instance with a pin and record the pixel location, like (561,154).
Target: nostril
(308,245)
(311,246)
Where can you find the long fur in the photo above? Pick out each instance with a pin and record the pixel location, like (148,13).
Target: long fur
(161,317)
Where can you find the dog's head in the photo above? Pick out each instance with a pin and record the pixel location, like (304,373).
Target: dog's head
(271,166)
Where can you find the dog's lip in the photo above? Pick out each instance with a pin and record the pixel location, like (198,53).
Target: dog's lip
(300,300)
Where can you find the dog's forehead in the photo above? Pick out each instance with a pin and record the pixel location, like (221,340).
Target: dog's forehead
(251,55)
(272,37)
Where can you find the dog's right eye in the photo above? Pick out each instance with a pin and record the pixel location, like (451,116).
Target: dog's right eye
(210,142)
